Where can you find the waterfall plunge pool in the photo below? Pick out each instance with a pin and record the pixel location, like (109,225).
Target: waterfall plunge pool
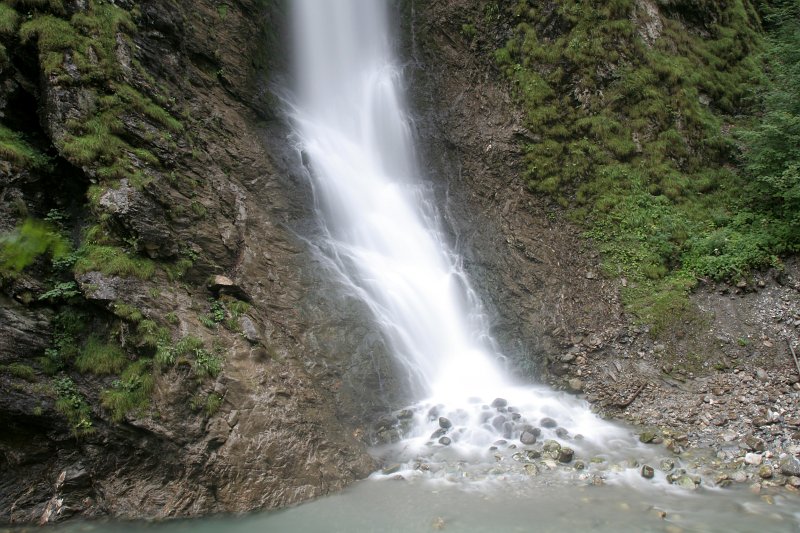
(390,505)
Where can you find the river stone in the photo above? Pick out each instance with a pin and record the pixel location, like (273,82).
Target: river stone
(385,422)
(445,441)
(392,469)
(647,436)
(565,455)
(498,421)
(793,481)
(499,402)
(686,482)
(445,422)
(562,433)
(531,469)
(527,438)
(790,466)
(438,433)
(533,454)
(648,472)
(753,458)
(739,476)
(548,422)
(579,465)
(551,446)
(667,465)
(754,443)
(405,414)
(765,472)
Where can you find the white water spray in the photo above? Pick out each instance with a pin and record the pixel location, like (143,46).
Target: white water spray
(384,238)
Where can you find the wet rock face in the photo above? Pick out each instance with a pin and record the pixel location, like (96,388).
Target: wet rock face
(301,370)
(526,261)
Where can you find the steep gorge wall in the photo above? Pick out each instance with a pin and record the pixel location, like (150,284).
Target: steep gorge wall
(144,135)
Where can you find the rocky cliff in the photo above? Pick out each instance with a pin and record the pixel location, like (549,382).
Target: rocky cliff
(177,353)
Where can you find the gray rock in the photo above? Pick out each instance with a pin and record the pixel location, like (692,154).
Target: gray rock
(551,446)
(565,455)
(548,422)
(445,422)
(790,466)
(754,443)
(647,436)
(100,287)
(739,476)
(527,438)
(249,330)
(533,454)
(648,472)
(686,482)
(499,402)
(405,414)
(438,433)
(753,458)
(391,469)
(562,433)
(445,441)
(498,421)
(765,472)
(667,465)
(575,385)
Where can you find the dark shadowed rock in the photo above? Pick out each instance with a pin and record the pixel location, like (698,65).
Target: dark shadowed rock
(548,422)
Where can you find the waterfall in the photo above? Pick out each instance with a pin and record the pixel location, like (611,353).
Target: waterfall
(379,215)
(383,237)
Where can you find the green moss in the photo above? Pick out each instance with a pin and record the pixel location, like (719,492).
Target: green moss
(82,50)
(99,357)
(127,312)
(131,393)
(9,21)
(150,334)
(113,261)
(631,136)
(19,370)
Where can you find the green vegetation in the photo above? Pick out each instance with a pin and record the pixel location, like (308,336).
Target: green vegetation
(213,403)
(15,149)
(68,325)
(114,261)
(100,357)
(206,364)
(772,143)
(632,134)
(71,403)
(19,370)
(33,238)
(62,290)
(130,393)
(82,50)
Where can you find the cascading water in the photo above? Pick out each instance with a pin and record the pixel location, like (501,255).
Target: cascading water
(383,237)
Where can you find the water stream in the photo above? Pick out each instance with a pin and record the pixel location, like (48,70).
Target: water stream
(383,238)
